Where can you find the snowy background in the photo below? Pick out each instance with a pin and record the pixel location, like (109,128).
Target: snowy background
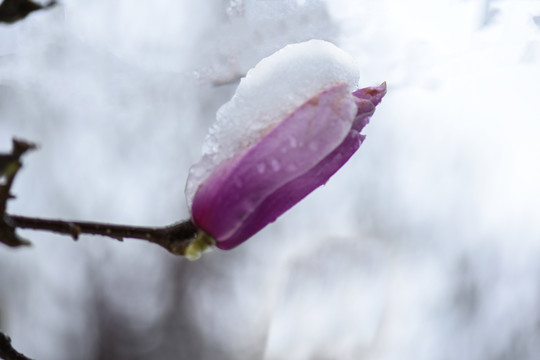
(426,245)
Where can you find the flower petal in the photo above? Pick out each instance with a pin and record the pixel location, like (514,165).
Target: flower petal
(291,193)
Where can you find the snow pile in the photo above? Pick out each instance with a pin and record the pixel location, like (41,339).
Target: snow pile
(271,91)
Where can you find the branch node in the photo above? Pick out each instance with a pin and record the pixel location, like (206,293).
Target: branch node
(75,231)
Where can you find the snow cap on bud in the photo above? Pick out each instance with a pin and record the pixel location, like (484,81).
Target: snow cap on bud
(294,120)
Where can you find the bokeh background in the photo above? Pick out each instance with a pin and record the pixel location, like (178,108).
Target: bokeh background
(426,245)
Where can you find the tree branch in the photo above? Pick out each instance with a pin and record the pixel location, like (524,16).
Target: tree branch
(7,352)
(14,10)
(175,238)
(10,164)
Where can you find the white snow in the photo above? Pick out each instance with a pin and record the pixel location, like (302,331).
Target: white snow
(271,91)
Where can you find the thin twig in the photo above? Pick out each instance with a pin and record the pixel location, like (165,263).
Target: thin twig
(7,352)
(175,238)
(10,164)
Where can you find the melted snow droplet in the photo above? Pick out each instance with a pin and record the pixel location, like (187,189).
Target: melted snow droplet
(292,142)
(261,168)
(276,166)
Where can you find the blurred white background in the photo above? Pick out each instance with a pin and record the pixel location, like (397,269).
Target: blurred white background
(426,245)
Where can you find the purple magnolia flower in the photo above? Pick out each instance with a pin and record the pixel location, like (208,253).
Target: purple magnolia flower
(261,180)
(249,191)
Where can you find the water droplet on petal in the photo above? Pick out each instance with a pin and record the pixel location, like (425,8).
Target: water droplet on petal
(275,165)
(292,142)
(261,168)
